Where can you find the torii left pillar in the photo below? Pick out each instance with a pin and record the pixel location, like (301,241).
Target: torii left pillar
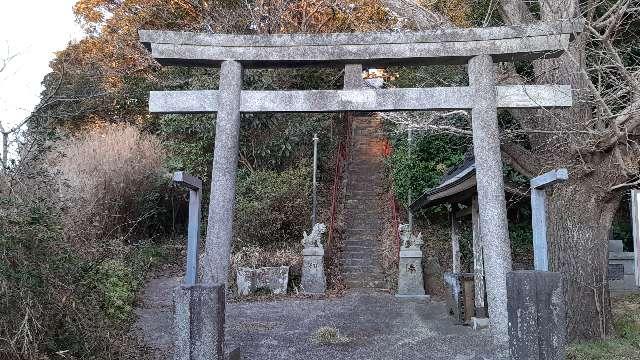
(223,175)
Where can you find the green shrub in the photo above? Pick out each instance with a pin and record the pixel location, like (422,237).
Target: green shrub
(273,207)
(118,289)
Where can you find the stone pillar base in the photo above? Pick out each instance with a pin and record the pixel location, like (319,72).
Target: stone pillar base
(199,322)
(537,322)
(410,281)
(313,278)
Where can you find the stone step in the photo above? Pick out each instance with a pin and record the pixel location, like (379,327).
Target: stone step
(361,245)
(360,276)
(364,276)
(360,254)
(368,263)
(360,269)
(365,284)
(357,250)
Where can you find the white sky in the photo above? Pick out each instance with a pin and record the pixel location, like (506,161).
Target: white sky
(33,29)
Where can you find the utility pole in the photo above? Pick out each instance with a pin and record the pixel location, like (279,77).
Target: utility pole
(315,183)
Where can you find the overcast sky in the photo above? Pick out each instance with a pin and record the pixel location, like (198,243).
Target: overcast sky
(34,30)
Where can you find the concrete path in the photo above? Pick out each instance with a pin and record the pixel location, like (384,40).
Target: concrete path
(378,326)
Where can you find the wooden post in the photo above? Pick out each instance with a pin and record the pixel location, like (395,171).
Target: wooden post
(478,261)
(539,215)
(456,266)
(193,233)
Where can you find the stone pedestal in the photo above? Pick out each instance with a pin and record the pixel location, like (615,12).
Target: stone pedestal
(313,278)
(199,322)
(410,283)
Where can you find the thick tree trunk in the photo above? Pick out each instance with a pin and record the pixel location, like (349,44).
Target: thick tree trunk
(580,212)
(579,216)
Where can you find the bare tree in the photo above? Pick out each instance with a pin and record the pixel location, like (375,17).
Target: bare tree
(597,140)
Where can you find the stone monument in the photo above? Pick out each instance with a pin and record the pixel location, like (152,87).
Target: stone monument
(313,278)
(410,283)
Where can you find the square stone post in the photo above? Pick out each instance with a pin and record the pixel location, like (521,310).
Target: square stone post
(537,320)
(199,322)
(352,76)
(223,175)
(491,199)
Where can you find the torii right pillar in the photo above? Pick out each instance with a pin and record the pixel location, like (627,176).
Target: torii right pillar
(491,199)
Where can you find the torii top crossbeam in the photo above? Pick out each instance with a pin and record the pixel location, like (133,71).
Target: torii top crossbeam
(445,46)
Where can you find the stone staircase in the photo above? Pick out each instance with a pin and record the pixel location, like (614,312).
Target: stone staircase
(363,205)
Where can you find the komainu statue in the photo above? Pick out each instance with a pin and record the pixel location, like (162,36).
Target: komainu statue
(409,241)
(314,240)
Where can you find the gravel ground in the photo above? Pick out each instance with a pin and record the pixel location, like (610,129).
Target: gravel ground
(376,325)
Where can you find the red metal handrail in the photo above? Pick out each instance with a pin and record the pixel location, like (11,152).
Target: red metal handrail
(394,219)
(395,222)
(341,158)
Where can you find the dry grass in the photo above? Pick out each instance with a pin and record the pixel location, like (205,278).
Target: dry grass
(328,335)
(100,174)
(625,344)
(255,257)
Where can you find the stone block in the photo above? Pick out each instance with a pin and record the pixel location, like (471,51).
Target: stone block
(410,282)
(626,263)
(536,309)
(479,323)
(313,277)
(615,246)
(199,322)
(456,296)
(275,279)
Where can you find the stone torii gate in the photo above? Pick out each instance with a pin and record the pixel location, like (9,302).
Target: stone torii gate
(479,48)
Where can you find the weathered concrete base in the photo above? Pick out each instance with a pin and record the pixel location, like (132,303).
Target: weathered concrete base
(199,322)
(479,323)
(410,280)
(313,278)
(275,279)
(537,322)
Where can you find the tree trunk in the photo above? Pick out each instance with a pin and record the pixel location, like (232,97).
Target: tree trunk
(579,216)
(580,211)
